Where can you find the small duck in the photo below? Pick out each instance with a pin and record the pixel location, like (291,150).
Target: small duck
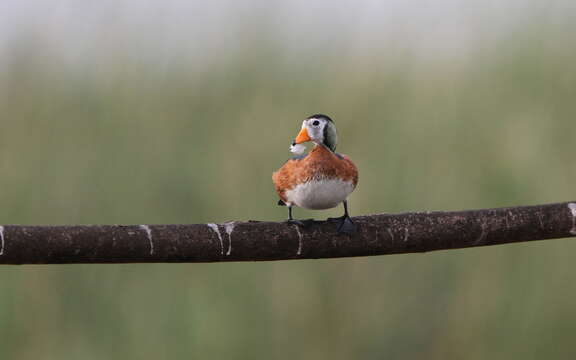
(321,179)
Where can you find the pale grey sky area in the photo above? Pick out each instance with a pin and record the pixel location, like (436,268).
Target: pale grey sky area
(200,31)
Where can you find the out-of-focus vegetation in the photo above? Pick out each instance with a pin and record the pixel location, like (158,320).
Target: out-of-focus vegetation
(128,119)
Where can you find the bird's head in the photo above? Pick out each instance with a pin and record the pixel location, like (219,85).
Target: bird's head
(319,129)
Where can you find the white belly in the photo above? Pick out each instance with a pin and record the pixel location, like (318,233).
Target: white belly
(319,194)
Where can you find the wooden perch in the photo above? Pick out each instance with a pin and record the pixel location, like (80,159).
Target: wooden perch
(258,241)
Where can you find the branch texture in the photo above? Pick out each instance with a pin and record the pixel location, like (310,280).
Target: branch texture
(257,241)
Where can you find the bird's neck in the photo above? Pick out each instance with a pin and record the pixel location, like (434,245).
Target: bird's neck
(321,149)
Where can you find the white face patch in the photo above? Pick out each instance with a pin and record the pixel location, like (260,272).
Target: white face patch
(316,132)
(320,194)
(297,148)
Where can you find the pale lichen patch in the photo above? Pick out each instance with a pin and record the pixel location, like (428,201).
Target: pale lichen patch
(215,228)
(148,231)
(1,240)
(229,227)
(299,252)
(572,207)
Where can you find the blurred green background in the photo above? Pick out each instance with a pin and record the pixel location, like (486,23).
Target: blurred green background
(147,112)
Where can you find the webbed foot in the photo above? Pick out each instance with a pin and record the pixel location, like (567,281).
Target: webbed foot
(345,225)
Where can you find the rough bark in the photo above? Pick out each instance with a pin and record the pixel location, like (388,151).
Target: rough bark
(258,241)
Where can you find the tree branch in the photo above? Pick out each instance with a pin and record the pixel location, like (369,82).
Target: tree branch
(255,241)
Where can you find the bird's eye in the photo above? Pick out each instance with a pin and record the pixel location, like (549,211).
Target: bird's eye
(316,123)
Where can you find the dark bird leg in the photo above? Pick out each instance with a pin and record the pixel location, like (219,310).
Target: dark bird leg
(290,218)
(345,223)
(303,223)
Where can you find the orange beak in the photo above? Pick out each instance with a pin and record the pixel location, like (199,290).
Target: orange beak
(302,136)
